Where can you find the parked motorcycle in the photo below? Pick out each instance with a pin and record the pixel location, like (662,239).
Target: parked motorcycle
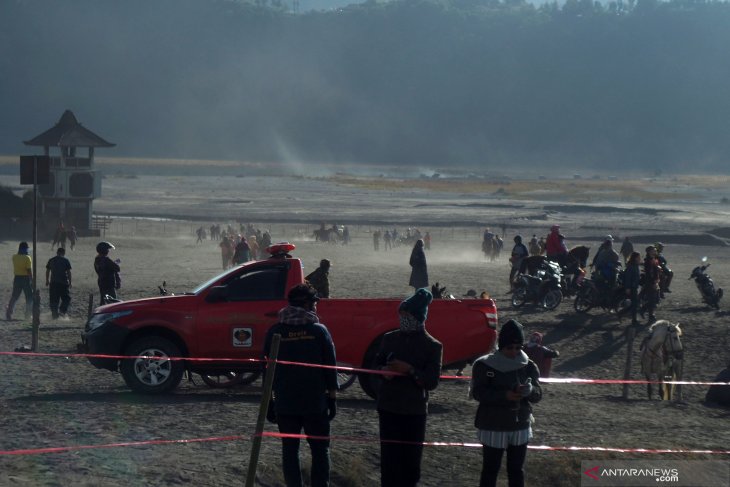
(543,289)
(595,292)
(706,286)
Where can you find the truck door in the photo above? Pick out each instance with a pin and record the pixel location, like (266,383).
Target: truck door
(236,325)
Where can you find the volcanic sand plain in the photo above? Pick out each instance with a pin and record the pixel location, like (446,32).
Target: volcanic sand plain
(50,402)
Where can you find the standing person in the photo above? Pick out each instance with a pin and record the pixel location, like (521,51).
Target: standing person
(419,269)
(650,289)
(519,252)
(376,240)
(540,354)
(402,400)
(58,282)
(534,246)
(107,271)
(553,249)
(632,276)
(72,236)
(242,253)
(387,241)
(226,252)
(427,240)
(304,397)
(667,274)
(319,278)
(255,249)
(505,383)
(22,281)
(627,248)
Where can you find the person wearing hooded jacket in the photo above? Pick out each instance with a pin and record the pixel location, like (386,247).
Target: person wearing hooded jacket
(402,398)
(304,397)
(519,253)
(505,383)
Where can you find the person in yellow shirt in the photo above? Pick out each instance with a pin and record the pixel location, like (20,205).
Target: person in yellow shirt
(23,271)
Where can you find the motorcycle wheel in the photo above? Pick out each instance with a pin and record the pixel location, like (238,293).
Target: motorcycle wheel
(519,297)
(584,300)
(552,299)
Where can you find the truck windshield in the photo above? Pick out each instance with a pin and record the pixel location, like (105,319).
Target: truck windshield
(211,281)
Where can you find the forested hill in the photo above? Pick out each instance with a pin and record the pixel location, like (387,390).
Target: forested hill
(453,82)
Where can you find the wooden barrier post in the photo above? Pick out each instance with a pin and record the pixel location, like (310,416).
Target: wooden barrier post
(91,306)
(630,335)
(263,408)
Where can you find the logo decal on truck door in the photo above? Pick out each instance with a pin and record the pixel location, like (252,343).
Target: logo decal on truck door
(242,337)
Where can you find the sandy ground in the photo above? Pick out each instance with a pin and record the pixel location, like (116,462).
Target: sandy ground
(56,402)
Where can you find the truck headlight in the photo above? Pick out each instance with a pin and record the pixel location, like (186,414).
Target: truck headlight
(99,319)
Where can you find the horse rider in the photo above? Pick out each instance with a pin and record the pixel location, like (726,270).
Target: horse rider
(555,248)
(606,261)
(667,274)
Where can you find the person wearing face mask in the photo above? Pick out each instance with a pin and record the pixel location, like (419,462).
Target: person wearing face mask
(505,383)
(413,359)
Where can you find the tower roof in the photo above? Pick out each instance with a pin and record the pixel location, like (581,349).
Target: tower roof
(68,132)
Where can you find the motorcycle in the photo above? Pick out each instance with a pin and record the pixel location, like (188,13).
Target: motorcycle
(596,291)
(543,289)
(706,286)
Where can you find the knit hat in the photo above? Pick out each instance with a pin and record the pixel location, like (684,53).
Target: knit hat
(511,334)
(417,305)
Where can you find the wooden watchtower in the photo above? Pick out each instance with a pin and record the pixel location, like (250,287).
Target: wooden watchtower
(74,182)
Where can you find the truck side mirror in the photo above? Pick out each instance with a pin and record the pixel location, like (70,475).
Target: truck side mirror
(217,294)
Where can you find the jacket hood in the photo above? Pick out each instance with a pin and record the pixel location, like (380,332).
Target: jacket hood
(502,363)
(294,315)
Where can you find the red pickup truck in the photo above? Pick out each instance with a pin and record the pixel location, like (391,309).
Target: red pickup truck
(227,318)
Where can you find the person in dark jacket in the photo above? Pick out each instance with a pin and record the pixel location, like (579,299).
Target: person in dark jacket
(320,278)
(107,271)
(505,383)
(304,397)
(242,252)
(419,269)
(519,253)
(402,399)
(632,276)
(58,282)
(627,248)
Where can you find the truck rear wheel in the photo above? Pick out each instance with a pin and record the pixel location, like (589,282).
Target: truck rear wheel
(156,374)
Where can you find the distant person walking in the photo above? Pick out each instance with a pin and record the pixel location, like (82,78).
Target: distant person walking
(58,282)
(22,281)
(72,237)
(505,383)
(107,271)
(242,253)
(427,241)
(419,269)
(402,400)
(226,252)
(632,276)
(518,255)
(304,397)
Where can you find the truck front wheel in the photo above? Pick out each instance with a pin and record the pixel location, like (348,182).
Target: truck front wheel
(156,373)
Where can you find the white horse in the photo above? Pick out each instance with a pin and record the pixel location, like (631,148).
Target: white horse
(661,356)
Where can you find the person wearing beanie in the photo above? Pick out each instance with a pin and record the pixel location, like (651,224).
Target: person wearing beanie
(412,360)
(22,281)
(505,383)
